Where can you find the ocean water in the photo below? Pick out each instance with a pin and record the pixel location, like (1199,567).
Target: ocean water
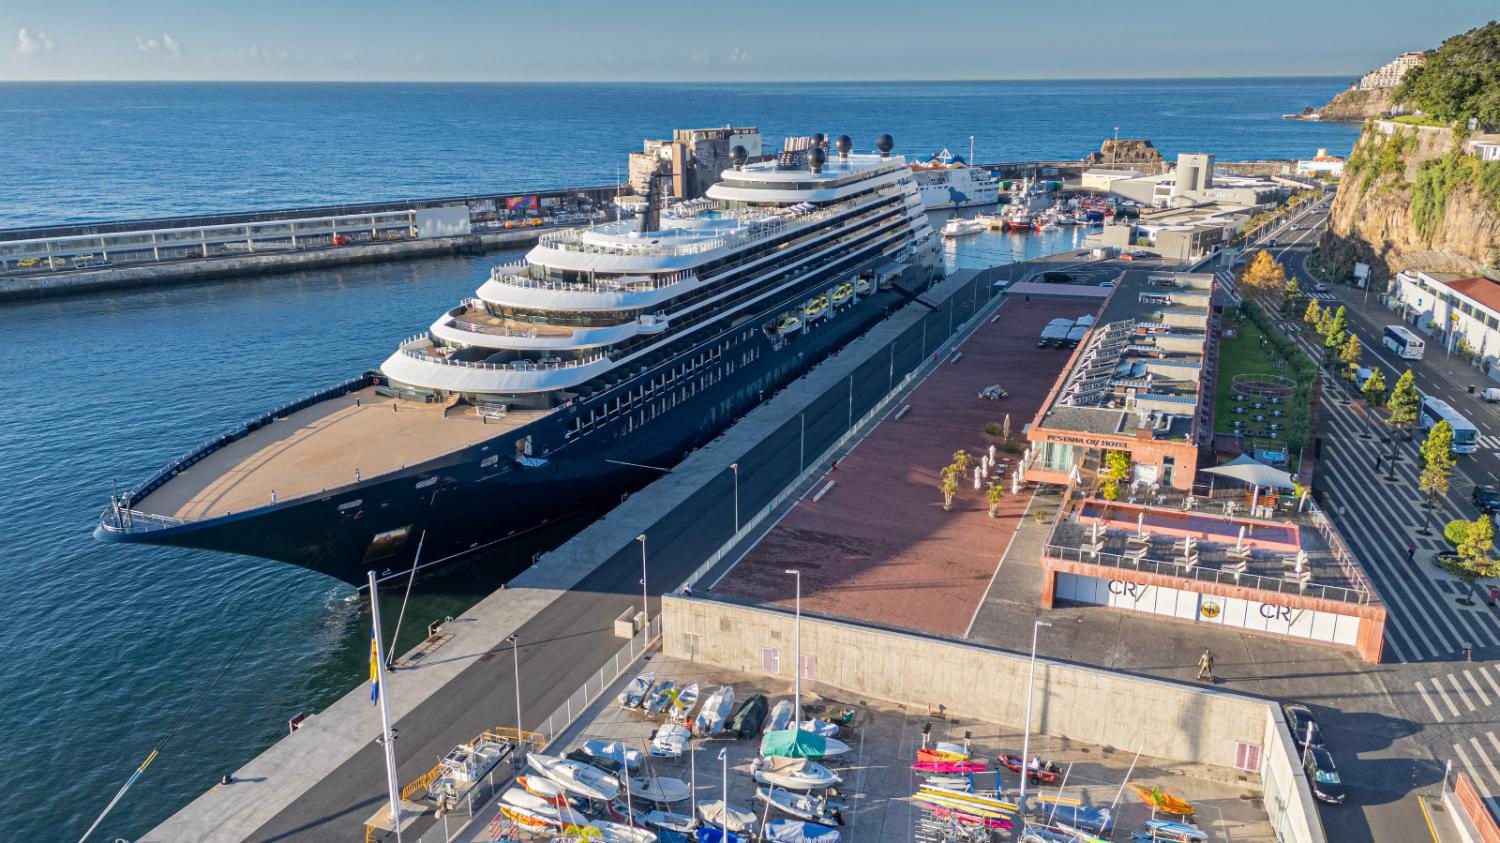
(111,649)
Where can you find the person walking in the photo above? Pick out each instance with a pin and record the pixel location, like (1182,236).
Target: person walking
(1206,665)
(1411,552)
(1378,459)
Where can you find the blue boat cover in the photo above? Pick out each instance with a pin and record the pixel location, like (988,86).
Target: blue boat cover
(798,831)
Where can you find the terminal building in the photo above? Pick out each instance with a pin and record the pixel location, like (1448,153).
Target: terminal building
(1194,182)
(1136,384)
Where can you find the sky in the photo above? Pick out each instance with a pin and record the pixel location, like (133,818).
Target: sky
(712,40)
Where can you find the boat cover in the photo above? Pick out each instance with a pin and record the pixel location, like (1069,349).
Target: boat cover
(1089,818)
(709,834)
(800,831)
(820,727)
(795,743)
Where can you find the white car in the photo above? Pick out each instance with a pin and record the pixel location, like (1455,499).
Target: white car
(1320,287)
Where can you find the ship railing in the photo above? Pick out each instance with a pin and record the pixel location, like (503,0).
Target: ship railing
(118,519)
(408,348)
(635,284)
(209,446)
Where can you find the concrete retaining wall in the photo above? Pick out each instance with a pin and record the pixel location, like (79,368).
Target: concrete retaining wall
(1159,718)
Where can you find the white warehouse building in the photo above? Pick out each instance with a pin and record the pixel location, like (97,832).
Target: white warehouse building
(1457,311)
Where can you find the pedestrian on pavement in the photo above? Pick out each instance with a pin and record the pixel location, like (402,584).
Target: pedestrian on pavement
(1206,665)
(1411,553)
(1468,651)
(1027,298)
(1378,459)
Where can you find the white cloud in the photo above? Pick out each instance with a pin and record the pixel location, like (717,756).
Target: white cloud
(30,43)
(737,56)
(703,57)
(165,45)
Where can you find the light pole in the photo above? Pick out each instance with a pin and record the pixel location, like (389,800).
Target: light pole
(1026,725)
(515,658)
(735,467)
(724,806)
(645,597)
(797,665)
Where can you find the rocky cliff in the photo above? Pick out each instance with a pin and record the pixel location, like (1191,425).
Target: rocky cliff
(1355,106)
(1410,199)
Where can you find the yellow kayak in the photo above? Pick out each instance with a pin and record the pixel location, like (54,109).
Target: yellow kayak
(1164,801)
(972,803)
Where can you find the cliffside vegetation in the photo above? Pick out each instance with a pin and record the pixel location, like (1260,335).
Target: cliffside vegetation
(1376,156)
(1441,178)
(1460,80)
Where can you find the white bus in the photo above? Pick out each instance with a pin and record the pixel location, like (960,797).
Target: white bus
(1400,339)
(1465,434)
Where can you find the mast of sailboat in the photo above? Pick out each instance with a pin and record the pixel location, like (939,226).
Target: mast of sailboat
(382,693)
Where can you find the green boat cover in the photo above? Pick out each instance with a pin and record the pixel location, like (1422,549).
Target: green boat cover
(795,743)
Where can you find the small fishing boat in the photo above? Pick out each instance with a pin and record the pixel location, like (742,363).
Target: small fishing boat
(613,751)
(575,777)
(529,810)
(659,789)
(660,697)
(635,693)
(842,293)
(948,767)
(463,767)
(793,773)
(613,832)
(740,820)
(799,831)
(959,227)
(671,741)
(788,325)
(802,805)
(819,727)
(816,308)
(680,823)
(781,716)
(686,699)
(1170,831)
(1047,773)
(715,711)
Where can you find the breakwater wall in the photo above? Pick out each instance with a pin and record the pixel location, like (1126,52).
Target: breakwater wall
(1161,719)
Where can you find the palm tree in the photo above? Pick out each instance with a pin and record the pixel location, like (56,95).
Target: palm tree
(994,494)
(949,487)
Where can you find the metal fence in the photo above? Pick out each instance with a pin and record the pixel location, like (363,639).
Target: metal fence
(1205,573)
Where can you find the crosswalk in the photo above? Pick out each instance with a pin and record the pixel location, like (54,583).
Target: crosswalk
(1323,296)
(1454,695)
(1380,520)
(1488,442)
(1477,755)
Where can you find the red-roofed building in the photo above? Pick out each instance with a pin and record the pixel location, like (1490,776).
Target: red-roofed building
(1460,312)
(1321,163)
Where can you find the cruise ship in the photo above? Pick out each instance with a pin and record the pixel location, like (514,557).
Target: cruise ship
(572,377)
(947,181)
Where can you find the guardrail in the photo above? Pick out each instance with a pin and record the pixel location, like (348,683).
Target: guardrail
(1205,573)
(517,366)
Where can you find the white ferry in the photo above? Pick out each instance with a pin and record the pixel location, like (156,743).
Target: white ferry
(947,181)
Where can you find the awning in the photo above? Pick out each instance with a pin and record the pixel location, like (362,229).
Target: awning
(1254,473)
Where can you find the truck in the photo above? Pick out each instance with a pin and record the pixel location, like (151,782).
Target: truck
(1491,394)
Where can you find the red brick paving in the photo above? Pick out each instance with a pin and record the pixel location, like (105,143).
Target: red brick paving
(879,546)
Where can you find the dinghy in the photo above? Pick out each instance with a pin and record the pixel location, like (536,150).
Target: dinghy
(943,752)
(781,717)
(715,711)
(546,788)
(613,832)
(660,697)
(801,805)
(586,781)
(740,820)
(671,741)
(686,699)
(680,823)
(978,804)
(529,810)
(961,784)
(658,789)
(793,773)
(635,693)
(613,751)
(799,831)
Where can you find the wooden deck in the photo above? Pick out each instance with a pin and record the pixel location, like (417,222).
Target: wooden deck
(318,449)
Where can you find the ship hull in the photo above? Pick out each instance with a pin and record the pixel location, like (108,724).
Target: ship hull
(469,500)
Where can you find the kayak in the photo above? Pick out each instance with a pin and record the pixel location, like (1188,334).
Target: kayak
(969,819)
(978,804)
(1164,801)
(1170,831)
(948,767)
(943,752)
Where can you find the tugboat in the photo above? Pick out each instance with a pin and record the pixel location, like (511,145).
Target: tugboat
(572,377)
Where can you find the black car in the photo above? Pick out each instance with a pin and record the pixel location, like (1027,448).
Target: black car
(1056,278)
(1323,776)
(1305,731)
(1487,498)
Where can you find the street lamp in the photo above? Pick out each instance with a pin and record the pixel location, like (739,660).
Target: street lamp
(724,806)
(1026,725)
(735,467)
(515,657)
(645,598)
(797,665)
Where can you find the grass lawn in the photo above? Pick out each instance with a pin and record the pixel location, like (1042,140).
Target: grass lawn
(1239,356)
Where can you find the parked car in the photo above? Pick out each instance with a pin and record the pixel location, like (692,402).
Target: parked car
(1108,285)
(1323,776)
(1487,498)
(1056,278)
(1320,287)
(1305,731)
(1491,394)
(1271,242)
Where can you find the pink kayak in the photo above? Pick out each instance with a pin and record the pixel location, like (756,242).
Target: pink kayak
(948,766)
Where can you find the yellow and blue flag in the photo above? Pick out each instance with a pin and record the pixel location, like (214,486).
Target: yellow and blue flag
(374,673)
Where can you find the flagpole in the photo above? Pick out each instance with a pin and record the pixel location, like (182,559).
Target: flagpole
(383,694)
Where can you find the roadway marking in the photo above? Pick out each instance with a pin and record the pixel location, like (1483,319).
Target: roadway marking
(1485,672)
(1485,698)
(1463,695)
(1437,715)
(1485,757)
(1437,686)
(1422,803)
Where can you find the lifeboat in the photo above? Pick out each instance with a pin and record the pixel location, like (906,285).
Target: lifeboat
(862,285)
(842,293)
(816,308)
(788,325)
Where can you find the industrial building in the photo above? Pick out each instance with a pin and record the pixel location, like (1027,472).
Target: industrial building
(1193,182)
(694,158)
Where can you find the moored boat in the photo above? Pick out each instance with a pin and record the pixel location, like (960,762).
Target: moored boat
(581,779)
(635,693)
(805,806)
(793,773)
(671,741)
(715,711)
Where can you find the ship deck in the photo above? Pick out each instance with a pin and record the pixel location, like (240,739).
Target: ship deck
(320,448)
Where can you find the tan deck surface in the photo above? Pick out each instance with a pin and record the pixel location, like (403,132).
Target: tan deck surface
(319,448)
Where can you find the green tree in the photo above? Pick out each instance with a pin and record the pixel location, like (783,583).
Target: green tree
(1325,322)
(994,494)
(1474,550)
(1374,389)
(1459,80)
(1333,343)
(1314,314)
(1290,295)
(1437,461)
(1116,469)
(961,460)
(1340,323)
(1403,403)
(949,486)
(991,430)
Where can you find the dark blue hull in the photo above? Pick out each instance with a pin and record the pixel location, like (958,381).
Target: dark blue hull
(593,451)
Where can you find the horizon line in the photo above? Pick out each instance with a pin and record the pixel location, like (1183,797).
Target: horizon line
(671,81)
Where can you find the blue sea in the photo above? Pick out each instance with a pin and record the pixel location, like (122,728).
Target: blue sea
(110,649)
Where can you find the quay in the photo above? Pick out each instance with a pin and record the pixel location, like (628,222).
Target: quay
(324,780)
